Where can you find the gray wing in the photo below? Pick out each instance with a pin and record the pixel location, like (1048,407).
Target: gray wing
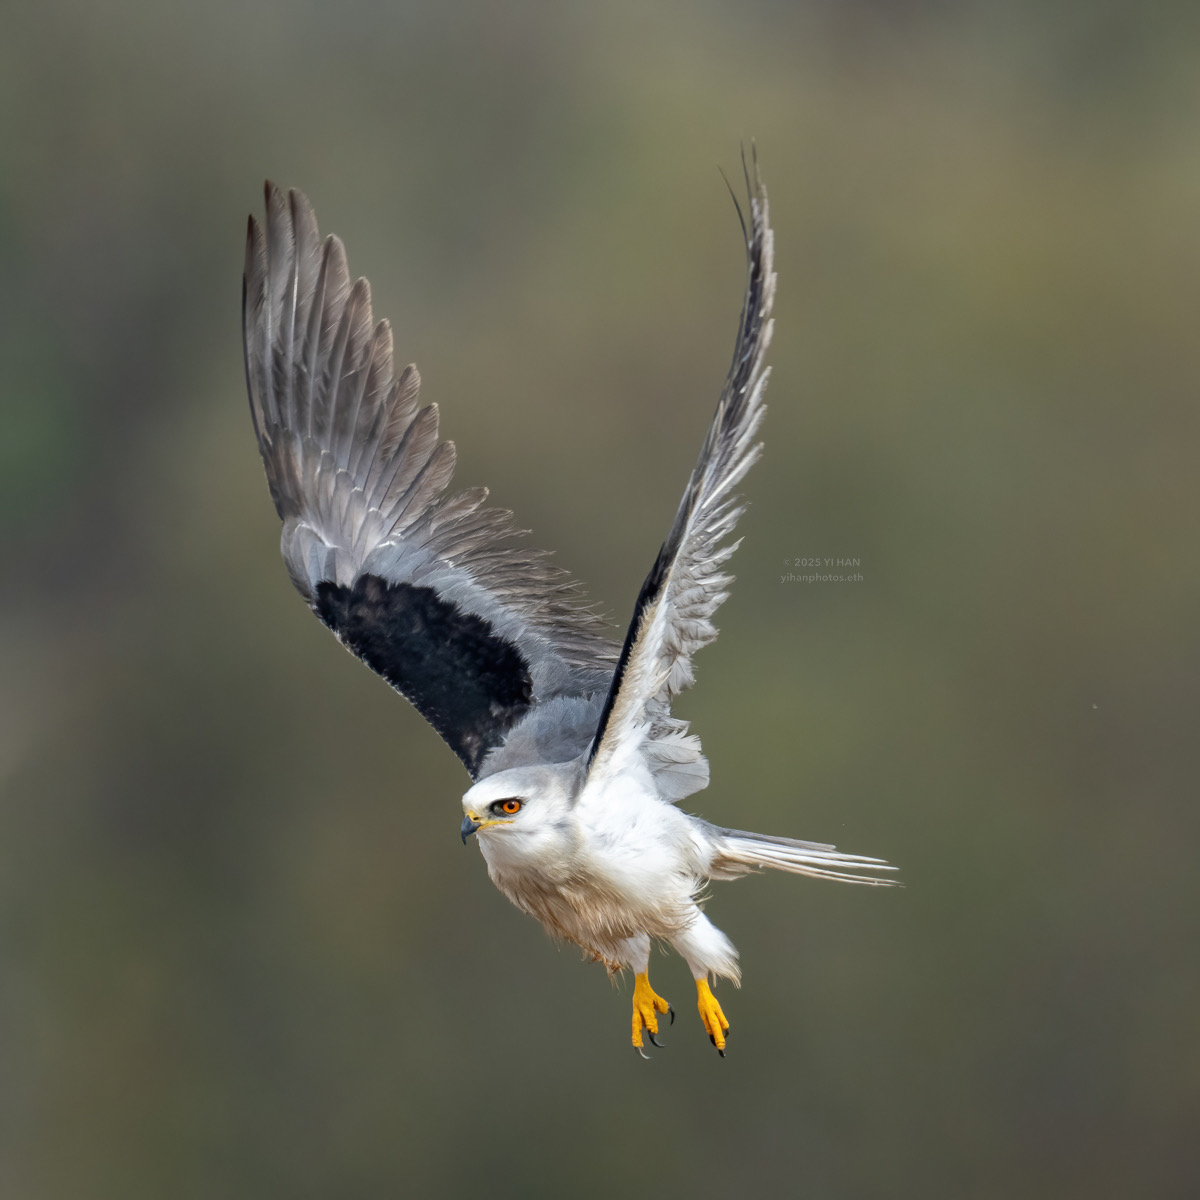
(673,615)
(432,591)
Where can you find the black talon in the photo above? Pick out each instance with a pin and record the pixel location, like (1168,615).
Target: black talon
(672,1012)
(642,1052)
(656,1045)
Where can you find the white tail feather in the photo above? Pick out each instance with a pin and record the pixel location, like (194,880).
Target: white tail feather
(738,852)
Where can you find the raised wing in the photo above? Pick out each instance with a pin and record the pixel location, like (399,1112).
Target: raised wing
(432,591)
(673,615)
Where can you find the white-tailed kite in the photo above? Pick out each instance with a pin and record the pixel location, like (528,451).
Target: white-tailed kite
(576,761)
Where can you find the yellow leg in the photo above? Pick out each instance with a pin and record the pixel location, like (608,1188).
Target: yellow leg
(712,1016)
(646,1007)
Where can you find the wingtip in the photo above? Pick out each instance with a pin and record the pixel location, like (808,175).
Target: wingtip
(304,220)
(737,207)
(253,266)
(335,250)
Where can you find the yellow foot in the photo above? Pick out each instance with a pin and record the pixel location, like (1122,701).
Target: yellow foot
(646,1007)
(712,1016)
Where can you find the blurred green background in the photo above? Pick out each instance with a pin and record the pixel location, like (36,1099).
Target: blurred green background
(242,951)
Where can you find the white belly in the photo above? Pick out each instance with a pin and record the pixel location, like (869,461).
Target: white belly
(626,864)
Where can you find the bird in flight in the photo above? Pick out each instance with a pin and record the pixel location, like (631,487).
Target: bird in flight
(577,764)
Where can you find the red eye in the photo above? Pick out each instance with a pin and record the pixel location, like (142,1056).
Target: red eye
(510,806)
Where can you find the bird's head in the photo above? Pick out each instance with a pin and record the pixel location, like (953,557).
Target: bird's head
(531,804)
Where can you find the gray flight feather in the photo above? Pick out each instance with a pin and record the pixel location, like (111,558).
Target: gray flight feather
(673,615)
(434,591)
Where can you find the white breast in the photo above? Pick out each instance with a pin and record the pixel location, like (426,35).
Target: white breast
(621,862)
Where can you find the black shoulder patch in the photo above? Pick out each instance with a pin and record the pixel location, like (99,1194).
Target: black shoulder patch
(469,683)
(651,590)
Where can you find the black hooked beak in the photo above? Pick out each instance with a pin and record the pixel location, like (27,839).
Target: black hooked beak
(468,827)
